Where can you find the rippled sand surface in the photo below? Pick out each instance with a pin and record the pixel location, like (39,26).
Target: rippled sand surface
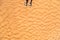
(41,21)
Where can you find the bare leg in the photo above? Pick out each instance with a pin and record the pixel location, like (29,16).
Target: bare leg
(31,3)
(26,2)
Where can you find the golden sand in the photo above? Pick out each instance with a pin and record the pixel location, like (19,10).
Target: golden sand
(41,21)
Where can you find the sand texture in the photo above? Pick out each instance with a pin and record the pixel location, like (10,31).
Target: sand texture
(41,21)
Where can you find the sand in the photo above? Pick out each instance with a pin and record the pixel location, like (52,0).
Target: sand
(41,21)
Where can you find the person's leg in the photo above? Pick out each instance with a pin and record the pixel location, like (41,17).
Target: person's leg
(30,2)
(26,2)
